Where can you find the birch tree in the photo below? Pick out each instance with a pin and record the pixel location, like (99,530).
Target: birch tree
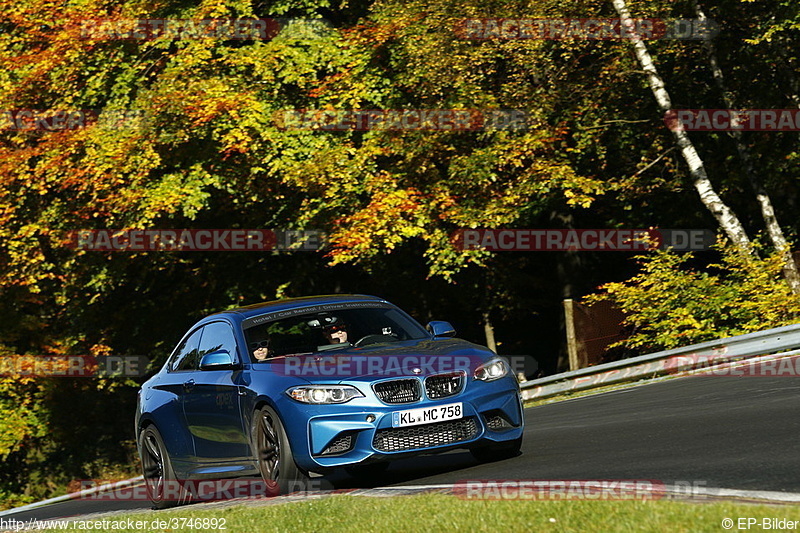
(725,217)
(764,201)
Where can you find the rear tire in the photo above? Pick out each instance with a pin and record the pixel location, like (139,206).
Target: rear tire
(274,455)
(497,452)
(163,487)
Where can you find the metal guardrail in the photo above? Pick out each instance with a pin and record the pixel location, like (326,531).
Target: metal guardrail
(75,495)
(769,341)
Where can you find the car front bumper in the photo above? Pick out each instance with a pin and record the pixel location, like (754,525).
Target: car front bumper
(361,431)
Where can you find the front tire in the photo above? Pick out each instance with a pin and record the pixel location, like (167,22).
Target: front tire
(274,454)
(163,487)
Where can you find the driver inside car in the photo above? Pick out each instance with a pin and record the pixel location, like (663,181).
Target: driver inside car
(261,350)
(335,334)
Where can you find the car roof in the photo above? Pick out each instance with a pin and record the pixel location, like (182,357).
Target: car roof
(241,313)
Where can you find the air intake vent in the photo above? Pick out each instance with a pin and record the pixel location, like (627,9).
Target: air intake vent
(398,391)
(341,444)
(427,436)
(496,420)
(444,385)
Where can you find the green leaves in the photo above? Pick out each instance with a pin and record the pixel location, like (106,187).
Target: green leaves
(670,303)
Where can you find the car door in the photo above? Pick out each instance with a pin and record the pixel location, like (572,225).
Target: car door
(169,416)
(211,402)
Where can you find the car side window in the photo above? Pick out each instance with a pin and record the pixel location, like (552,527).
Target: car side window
(186,354)
(217,336)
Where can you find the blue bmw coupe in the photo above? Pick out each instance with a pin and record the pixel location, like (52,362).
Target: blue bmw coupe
(302,385)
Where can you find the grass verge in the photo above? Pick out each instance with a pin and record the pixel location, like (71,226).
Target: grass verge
(439,512)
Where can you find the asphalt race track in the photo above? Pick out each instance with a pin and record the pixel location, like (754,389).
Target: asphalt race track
(718,432)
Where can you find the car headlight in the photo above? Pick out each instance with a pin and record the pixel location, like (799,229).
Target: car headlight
(491,370)
(320,394)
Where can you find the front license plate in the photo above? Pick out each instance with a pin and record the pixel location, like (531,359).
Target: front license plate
(427,415)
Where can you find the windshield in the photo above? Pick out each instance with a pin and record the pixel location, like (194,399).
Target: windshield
(330,330)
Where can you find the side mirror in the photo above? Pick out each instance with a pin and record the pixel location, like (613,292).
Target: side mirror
(439,328)
(219,360)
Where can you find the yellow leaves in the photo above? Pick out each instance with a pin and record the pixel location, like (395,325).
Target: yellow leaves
(100,350)
(213,9)
(390,218)
(15,426)
(683,319)
(184,192)
(19,409)
(580,191)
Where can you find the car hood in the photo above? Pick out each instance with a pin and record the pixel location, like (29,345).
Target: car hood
(422,358)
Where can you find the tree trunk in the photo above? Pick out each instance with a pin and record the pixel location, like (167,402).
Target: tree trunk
(568,269)
(488,329)
(572,342)
(767,211)
(725,217)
